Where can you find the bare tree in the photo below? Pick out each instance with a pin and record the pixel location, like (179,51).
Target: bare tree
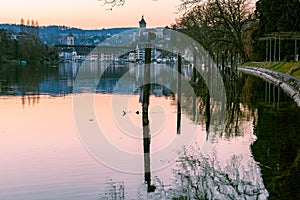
(112,3)
(219,24)
(189,4)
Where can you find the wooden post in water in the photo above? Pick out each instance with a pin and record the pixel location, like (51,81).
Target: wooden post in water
(194,69)
(146,131)
(179,93)
(209,88)
(194,83)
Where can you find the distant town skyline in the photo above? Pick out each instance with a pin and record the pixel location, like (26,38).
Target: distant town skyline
(90,14)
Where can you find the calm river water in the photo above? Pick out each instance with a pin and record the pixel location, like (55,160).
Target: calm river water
(44,155)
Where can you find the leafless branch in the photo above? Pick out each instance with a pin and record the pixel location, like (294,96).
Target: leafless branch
(112,3)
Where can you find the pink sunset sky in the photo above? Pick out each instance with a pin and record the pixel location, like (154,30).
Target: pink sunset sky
(90,14)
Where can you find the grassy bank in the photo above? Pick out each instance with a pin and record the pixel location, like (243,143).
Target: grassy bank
(291,68)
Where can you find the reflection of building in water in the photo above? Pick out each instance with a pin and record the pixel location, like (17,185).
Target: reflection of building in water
(60,80)
(126,78)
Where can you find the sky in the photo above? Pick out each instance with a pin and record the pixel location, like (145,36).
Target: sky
(90,14)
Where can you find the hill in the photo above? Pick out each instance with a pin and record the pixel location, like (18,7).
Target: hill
(55,34)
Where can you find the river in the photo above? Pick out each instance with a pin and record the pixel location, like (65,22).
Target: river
(50,147)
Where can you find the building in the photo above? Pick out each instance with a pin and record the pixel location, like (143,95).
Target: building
(70,39)
(140,51)
(142,22)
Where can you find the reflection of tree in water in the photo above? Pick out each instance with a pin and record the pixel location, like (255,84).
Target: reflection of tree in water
(29,79)
(113,191)
(277,130)
(238,104)
(204,177)
(202,102)
(32,80)
(30,99)
(277,146)
(239,108)
(277,149)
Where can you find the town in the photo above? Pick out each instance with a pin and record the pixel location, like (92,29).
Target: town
(53,44)
(151,99)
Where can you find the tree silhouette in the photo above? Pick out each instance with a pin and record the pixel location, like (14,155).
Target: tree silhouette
(112,3)
(204,177)
(219,25)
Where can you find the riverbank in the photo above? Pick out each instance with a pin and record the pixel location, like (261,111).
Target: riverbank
(290,68)
(25,62)
(289,84)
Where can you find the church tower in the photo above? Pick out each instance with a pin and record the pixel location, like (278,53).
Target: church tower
(142,22)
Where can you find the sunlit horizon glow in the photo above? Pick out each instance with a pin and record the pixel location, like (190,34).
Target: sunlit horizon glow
(90,14)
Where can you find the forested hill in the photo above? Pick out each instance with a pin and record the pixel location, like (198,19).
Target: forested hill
(57,34)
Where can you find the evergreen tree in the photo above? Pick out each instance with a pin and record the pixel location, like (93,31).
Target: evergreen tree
(278,15)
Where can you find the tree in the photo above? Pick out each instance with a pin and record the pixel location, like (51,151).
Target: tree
(112,3)
(219,25)
(22,25)
(7,45)
(277,148)
(276,16)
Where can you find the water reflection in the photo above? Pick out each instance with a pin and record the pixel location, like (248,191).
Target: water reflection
(59,80)
(203,177)
(277,147)
(36,138)
(37,79)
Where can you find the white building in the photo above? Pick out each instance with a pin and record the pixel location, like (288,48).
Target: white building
(70,39)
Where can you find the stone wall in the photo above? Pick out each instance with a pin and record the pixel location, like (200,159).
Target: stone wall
(287,83)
